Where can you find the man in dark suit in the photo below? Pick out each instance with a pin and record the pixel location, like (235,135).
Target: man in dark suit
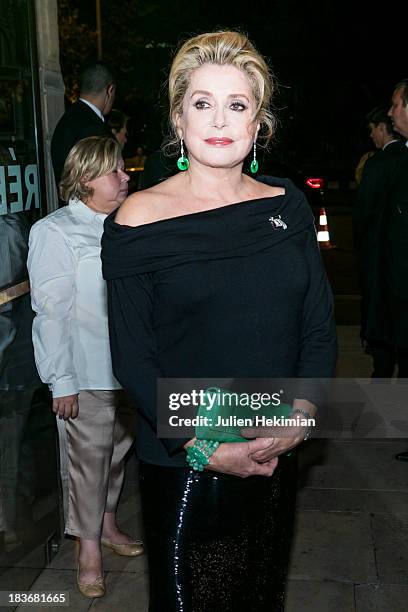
(371,218)
(85,117)
(398,233)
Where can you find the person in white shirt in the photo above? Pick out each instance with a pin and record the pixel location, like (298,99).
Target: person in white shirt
(72,353)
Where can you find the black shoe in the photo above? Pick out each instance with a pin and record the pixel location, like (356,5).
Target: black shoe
(402,456)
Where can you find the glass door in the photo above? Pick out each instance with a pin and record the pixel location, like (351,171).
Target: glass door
(29,498)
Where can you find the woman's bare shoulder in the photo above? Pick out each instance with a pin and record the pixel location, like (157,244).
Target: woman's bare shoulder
(136,209)
(145,206)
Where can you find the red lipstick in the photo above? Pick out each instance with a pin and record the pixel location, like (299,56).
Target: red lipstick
(219,142)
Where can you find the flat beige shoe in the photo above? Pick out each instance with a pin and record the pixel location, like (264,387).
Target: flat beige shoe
(133,549)
(92,589)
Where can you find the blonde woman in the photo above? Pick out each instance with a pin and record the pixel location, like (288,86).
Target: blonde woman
(71,345)
(214,274)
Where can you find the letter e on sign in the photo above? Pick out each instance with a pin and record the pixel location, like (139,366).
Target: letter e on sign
(31,182)
(15,187)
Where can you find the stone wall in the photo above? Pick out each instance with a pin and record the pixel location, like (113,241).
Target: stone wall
(51,85)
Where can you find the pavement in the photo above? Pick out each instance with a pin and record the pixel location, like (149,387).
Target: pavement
(350,551)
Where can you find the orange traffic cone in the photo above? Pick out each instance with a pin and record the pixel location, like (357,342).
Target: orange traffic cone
(323,235)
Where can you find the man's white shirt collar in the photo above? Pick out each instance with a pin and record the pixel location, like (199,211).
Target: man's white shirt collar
(94,108)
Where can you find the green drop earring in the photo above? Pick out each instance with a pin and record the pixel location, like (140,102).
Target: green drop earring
(254,163)
(182,162)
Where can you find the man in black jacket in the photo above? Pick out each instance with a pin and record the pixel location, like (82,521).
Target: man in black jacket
(398,232)
(85,117)
(370,217)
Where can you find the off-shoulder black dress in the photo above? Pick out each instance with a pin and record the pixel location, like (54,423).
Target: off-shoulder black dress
(237,291)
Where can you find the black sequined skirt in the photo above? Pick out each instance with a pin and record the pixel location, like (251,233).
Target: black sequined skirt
(216,542)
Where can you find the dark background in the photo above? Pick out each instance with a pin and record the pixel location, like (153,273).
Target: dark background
(334,61)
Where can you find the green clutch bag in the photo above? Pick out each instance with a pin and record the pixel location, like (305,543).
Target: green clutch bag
(224,413)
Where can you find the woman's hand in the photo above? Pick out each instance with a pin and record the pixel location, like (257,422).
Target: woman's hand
(236,458)
(280,440)
(66,407)
(279,446)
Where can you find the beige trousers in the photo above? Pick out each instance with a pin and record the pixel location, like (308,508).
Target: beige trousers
(92,451)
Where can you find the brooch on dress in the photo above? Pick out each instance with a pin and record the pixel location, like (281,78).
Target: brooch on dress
(277,223)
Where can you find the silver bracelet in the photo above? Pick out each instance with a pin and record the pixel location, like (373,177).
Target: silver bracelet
(307,415)
(301,411)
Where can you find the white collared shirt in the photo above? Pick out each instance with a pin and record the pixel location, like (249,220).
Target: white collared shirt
(94,108)
(68,295)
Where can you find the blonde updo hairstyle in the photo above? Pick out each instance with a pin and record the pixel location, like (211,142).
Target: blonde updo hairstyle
(89,159)
(222,48)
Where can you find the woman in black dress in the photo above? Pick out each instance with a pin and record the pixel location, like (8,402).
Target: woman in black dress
(214,274)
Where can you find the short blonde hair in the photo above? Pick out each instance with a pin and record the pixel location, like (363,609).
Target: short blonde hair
(87,160)
(222,48)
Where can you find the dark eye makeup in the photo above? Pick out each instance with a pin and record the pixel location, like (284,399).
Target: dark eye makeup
(236,105)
